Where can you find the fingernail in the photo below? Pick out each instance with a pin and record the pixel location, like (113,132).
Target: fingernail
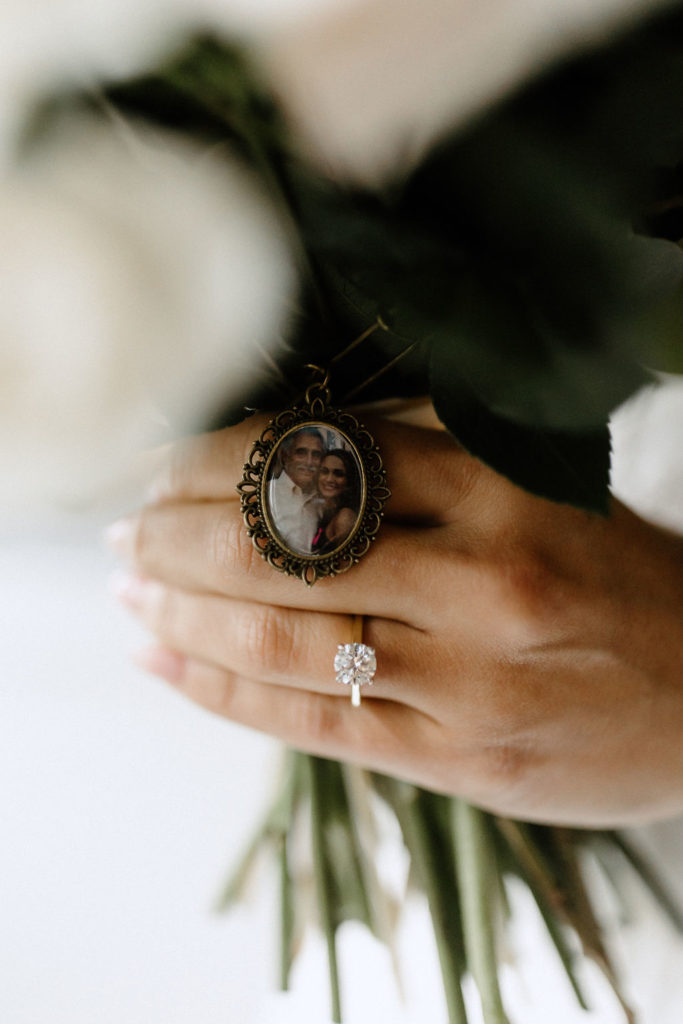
(119,536)
(160,661)
(129,589)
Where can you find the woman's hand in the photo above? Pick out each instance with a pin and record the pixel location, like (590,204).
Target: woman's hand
(529,654)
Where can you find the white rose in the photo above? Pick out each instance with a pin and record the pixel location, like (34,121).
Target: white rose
(647,472)
(134,276)
(370,86)
(50,44)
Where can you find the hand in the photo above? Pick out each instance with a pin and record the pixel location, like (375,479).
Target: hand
(529,654)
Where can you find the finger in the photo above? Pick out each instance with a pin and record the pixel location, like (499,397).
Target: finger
(373,735)
(205,547)
(275,645)
(209,467)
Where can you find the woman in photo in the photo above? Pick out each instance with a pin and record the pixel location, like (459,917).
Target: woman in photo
(339,498)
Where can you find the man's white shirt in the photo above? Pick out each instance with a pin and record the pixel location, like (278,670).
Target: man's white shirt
(293,513)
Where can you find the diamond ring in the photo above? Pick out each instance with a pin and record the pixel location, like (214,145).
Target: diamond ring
(355,663)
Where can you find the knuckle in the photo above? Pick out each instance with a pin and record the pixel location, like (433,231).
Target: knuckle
(319,721)
(177,474)
(270,641)
(506,767)
(469,476)
(222,696)
(459,472)
(164,612)
(230,548)
(142,538)
(503,741)
(528,594)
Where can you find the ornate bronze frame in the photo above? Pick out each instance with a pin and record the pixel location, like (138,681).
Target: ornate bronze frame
(374,491)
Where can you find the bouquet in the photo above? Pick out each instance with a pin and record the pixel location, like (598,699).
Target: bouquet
(504,241)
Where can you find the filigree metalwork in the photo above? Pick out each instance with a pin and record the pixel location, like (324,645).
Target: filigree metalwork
(316,411)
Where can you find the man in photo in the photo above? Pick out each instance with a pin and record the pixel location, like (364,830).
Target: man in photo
(292,495)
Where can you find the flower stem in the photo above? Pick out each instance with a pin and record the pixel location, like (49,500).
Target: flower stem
(526,862)
(425,833)
(287,807)
(581,914)
(380,911)
(324,881)
(475,869)
(642,867)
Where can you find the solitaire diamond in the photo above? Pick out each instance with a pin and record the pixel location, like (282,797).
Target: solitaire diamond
(355,664)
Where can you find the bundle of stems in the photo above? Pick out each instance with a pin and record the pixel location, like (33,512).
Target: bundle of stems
(326,814)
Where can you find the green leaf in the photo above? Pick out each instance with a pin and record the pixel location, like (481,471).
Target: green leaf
(565,467)
(534,304)
(509,256)
(664,333)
